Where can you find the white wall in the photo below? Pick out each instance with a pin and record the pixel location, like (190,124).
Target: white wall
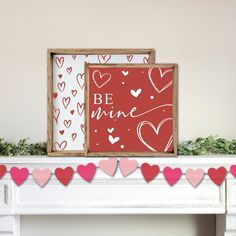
(199,35)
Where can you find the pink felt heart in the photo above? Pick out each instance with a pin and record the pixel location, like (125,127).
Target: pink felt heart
(19,175)
(194,177)
(41,177)
(127,166)
(233,170)
(87,172)
(108,166)
(172,175)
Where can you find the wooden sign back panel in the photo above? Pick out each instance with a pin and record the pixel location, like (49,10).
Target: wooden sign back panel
(66,103)
(131,110)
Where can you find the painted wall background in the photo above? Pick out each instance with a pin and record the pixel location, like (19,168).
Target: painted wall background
(198,35)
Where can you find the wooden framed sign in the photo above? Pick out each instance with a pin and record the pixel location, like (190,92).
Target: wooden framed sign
(66,104)
(131,110)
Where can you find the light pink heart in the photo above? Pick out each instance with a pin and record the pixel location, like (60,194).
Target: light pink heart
(127,166)
(108,166)
(172,175)
(19,175)
(87,172)
(41,177)
(194,177)
(233,170)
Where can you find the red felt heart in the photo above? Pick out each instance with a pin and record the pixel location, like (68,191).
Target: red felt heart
(3,170)
(149,172)
(19,175)
(172,175)
(233,170)
(64,175)
(87,172)
(217,175)
(55,95)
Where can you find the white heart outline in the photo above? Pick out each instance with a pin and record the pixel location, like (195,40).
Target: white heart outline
(161,74)
(156,129)
(101,75)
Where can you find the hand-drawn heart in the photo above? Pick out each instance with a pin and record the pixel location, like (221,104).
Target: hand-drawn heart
(110,130)
(194,177)
(82,128)
(64,175)
(103,59)
(73,136)
(19,175)
(233,170)
(136,93)
(108,166)
(60,146)
(100,79)
(74,56)
(172,175)
(130,58)
(112,139)
(61,86)
(55,95)
(59,61)
(145,60)
(125,73)
(56,113)
(3,170)
(80,80)
(127,166)
(159,81)
(60,76)
(69,70)
(87,172)
(61,132)
(217,175)
(74,92)
(41,177)
(149,172)
(80,108)
(66,102)
(72,112)
(67,123)
(152,136)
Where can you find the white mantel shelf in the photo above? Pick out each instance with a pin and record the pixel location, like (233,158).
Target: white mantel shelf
(118,195)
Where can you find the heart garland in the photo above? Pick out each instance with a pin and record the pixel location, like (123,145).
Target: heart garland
(109,167)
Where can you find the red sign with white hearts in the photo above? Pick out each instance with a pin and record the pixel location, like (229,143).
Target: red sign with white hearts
(131,109)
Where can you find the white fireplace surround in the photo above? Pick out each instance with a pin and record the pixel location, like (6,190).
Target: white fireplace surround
(118,195)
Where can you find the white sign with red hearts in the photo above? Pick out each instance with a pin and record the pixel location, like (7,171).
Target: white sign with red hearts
(68,95)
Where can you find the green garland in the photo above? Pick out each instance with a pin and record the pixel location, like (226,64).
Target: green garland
(199,146)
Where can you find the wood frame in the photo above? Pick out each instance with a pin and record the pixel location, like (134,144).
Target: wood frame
(86,51)
(175,111)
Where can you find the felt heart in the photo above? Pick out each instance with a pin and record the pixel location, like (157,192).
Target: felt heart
(172,175)
(217,175)
(160,78)
(87,172)
(55,95)
(41,177)
(194,177)
(3,170)
(149,135)
(108,166)
(100,79)
(19,175)
(127,166)
(233,170)
(149,172)
(64,175)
